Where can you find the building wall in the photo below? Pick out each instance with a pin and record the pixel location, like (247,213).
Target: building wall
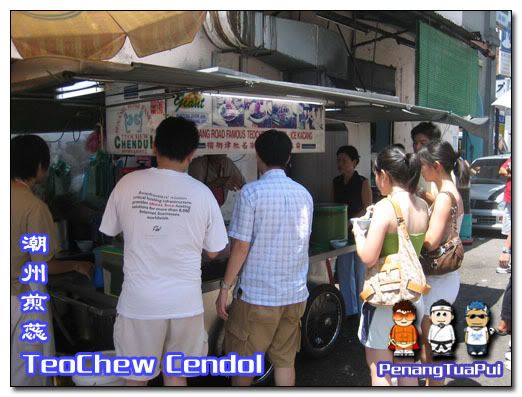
(246,64)
(359,136)
(388,53)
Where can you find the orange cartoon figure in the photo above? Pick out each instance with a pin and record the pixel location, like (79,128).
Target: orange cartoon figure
(403,335)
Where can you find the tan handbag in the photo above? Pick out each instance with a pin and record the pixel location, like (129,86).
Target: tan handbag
(447,257)
(397,276)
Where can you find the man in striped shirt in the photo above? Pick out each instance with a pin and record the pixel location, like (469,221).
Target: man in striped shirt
(270,228)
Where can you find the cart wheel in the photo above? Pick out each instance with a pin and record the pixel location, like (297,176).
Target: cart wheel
(322,321)
(267,378)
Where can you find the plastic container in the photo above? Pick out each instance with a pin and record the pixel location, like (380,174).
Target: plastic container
(112,263)
(99,380)
(336,244)
(84,245)
(330,223)
(363,223)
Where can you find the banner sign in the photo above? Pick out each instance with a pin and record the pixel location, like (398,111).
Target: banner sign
(231,124)
(226,124)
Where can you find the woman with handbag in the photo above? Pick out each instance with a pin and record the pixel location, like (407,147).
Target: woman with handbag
(397,175)
(442,252)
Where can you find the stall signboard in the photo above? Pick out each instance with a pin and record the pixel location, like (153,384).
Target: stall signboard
(231,124)
(131,128)
(226,124)
(130,123)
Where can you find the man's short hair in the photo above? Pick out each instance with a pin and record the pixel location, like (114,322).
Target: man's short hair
(176,138)
(27,152)
(274,147)
(426,128)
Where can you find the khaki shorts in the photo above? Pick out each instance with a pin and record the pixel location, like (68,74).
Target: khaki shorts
(154,338)
(274,330)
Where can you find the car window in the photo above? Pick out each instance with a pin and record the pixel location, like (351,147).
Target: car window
(488,173)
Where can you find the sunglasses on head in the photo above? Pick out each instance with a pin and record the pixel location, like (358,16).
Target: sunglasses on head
(408,316)
(481,316)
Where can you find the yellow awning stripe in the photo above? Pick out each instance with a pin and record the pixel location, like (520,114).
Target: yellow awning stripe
(99,35)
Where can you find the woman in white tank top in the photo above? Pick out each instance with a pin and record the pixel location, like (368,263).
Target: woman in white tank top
(438,160)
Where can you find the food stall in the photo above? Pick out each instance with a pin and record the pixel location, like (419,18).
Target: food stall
(231,110)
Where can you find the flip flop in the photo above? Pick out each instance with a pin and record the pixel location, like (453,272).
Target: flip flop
(501,333)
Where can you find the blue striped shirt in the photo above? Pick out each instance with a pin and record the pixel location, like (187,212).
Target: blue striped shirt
(274,214)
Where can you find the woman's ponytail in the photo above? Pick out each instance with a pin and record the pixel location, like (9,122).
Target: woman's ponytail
(462,173)
(414,167)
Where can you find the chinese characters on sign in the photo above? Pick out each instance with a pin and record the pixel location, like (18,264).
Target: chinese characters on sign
(230,124)
(34,301)
(227,124)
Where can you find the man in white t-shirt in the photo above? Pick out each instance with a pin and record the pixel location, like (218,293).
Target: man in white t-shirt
(167,218)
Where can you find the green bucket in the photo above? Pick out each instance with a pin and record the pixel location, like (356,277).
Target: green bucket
(330,222)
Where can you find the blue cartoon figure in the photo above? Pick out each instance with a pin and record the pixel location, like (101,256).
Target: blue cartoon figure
(476,334)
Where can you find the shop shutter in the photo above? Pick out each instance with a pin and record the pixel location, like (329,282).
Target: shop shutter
(447,72)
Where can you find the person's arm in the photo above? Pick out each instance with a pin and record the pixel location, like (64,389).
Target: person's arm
(438,222)
(366,198)
(236,180)
(40,219)
(472,171)
(505,169)
(369,247)
(237,258)
(429,197)
(240,230)
(55,266)
(504,172)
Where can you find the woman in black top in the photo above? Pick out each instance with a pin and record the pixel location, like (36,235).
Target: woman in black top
(352,189)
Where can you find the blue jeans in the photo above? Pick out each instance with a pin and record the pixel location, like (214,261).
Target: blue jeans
(350,273)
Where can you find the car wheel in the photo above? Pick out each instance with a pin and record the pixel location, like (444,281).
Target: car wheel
(322,321)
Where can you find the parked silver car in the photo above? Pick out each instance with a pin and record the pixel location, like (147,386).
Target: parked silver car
(487,193)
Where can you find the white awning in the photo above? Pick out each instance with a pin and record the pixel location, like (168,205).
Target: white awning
(504,101)
(353,106)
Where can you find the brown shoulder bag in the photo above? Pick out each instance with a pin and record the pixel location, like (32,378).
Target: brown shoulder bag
(448,256)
